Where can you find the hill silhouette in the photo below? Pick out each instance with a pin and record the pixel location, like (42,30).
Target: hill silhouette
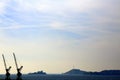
(75,71)
(104,72)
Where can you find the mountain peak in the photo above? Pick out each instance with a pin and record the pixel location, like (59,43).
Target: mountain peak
(75,71)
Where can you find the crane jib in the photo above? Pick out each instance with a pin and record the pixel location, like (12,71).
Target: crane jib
(15,61)
(4,61)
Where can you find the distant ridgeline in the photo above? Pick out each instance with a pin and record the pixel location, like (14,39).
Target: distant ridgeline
(38,72)
(104,72)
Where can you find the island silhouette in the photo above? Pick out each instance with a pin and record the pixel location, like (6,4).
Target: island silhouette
(104,72)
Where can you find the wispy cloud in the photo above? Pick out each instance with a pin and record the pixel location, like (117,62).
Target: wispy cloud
(46,12)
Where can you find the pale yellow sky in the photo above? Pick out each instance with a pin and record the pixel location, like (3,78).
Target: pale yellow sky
(55,35)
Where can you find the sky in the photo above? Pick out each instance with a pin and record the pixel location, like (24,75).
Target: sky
(58,35)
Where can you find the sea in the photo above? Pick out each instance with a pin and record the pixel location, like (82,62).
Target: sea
(64,77)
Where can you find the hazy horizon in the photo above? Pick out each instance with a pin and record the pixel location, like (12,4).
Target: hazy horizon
(54,36)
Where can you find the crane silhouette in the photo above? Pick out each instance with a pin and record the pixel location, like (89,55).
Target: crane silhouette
(6,69)
(19,74)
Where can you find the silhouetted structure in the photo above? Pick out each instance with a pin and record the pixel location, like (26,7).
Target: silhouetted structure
(38,72)
(7,69)
(19,74)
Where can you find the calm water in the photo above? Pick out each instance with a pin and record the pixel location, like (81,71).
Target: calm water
(66,77)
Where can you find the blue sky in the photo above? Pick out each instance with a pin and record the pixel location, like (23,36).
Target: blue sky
(55,35)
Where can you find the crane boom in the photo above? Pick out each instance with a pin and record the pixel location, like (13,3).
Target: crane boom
(15,61)
(4,61)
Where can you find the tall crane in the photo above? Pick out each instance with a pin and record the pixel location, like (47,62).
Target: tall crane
(19,74)
(6,69)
